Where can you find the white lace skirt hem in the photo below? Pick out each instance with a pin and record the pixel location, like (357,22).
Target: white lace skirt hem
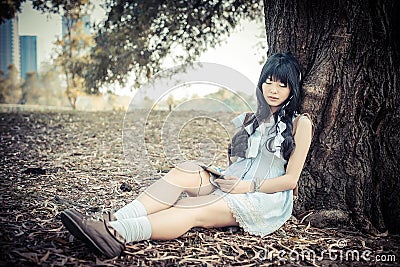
(253,219)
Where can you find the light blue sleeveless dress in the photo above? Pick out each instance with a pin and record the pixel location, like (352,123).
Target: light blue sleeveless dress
(258,213)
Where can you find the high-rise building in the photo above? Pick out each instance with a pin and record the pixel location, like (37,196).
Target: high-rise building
(9,45)
(28,54)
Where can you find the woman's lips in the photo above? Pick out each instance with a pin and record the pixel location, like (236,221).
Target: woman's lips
(272,98)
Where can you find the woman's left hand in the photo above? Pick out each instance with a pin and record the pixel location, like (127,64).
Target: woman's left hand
(233,185)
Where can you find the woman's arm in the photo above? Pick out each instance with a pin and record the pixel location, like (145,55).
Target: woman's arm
(294,167)
(296,161)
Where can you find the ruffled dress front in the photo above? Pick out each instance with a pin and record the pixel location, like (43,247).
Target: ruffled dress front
(258,213)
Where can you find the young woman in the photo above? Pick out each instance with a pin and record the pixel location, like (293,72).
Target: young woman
(256,191)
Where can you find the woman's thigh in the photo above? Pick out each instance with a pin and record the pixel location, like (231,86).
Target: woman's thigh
(208,211)
(191,177)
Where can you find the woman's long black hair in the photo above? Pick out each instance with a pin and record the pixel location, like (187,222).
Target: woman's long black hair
(285,68)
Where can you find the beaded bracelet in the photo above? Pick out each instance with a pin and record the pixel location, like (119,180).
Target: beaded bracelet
(256,186)
(253,185)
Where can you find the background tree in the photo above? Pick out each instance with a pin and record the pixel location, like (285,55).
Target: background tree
(51,84)
(32,93)
(10,86)
(73,54)
(2,87)
(171,102)
(137,36)
(73,49)
(8,9)
(350,54)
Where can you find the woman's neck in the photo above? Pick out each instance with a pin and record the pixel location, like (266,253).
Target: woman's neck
(274,109)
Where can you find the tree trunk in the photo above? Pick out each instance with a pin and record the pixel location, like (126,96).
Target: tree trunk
(349,51)
(68,91)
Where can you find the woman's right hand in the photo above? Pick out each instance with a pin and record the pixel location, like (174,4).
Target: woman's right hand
(234,185)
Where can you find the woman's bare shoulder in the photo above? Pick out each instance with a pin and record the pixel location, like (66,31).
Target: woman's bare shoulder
(301,123)
(305,124)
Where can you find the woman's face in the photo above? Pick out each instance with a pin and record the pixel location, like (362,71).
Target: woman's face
(275,93)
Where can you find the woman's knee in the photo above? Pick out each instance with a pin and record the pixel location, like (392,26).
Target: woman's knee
(188,167)
(185,168)
(187,174)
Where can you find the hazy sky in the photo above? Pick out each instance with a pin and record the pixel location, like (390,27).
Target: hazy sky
(239,51)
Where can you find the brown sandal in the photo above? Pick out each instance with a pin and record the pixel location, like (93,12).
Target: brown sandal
(99,235)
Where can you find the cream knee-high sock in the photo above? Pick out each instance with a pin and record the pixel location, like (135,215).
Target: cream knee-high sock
(135,209)
(133,229)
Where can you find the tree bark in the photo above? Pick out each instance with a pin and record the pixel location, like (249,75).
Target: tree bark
(349,51)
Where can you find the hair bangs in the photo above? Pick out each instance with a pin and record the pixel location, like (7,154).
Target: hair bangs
(283,71)
(279,73)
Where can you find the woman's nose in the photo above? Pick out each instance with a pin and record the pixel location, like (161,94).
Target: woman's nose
(274,88)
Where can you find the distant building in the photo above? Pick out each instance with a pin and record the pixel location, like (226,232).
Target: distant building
(28,54)
(9,45)
(66,24)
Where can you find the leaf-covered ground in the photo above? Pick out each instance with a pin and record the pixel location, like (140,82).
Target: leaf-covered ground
(51,161)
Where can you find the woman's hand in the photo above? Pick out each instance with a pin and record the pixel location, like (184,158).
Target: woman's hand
(234,185)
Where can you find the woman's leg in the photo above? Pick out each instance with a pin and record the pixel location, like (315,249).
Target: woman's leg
(109,238)
(185,177)
(205,211)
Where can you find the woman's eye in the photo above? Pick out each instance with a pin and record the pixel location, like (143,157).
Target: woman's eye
(282,84)
(268,81)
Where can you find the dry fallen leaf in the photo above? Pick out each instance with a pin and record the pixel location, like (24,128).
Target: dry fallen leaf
(51,161)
